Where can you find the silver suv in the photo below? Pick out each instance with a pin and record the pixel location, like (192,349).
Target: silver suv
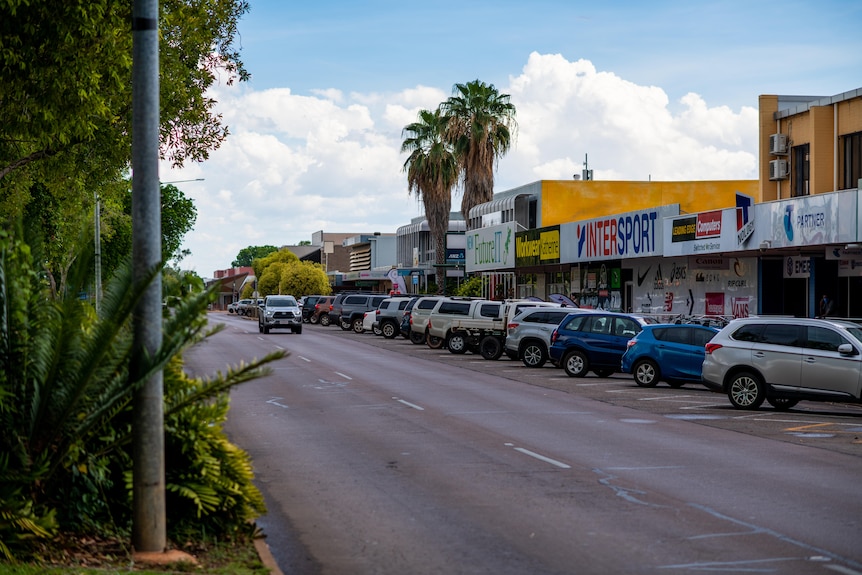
(279,311)
(784,361)
(528,334)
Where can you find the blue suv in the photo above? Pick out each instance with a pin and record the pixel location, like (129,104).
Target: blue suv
(593,341)
(667,352)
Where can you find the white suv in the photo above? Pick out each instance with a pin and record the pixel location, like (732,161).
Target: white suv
(784,361)
(528,334)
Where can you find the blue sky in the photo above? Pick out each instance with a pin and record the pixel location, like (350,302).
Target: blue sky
(664,90)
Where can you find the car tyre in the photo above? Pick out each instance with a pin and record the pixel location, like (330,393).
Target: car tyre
(324,320)
(576,364)
(260,328)
(417,338)
(676,384)
(491,347)
(511,354)
(389,330)
(433,341)
(313,319)
(534,354)
(345,325)
(604,372)
(265,329)
(356,324)
(646,373)
(376,330)
(297,330)
(456,343)
(781,403)
(746,391)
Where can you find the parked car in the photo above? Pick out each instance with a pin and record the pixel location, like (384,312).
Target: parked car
(419,318)
(334,316)
(389,313)
(512,307)
(279,311)
(667,352)
(784,361)
(239,307)
(407,317)
(594,341)
(353,308)
(320,313)
(368,323)
(528,334)
(307,304)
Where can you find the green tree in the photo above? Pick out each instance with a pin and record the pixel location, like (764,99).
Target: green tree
(481,124)
(65,99)
(259,265)
(432,172)
(246,256)
(304,278)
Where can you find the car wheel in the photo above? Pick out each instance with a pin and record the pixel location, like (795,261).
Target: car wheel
(265,329)
(345,325)
(605,372)
(324,320)
(376,330)
(314,319)
(646,373)
(389,330)
(456,343)
(675,383)
(433,341)
(746,391)
(576,364)
(491,347)
(417,338)
(534,354)
(511,355)
(781,403)
(356,324)
(297,330)
(260,328)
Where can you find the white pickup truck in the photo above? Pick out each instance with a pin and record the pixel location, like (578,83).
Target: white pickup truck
(468,325)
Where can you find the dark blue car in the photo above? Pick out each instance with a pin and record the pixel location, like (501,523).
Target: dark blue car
(667,352)
(593,341)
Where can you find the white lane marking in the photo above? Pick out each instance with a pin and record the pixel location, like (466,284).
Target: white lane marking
(408,404)
(304,359)
(274,402)
(344,376)
(541,457)
(841,569)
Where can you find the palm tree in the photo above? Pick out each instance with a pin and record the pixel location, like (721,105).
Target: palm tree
(432,172)
(481,126)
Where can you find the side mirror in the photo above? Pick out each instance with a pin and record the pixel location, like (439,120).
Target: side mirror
(846,349)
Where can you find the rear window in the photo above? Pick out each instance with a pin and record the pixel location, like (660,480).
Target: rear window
(403,303)
(750,332)
(354,300)
(454,308)
(674,334)
(490,310)
(376,301)
(426,304)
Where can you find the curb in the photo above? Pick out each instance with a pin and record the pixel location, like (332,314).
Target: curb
(266,556)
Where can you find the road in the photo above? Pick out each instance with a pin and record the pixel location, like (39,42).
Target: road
(377,456)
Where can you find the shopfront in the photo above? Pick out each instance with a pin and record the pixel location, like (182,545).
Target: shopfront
(810,248)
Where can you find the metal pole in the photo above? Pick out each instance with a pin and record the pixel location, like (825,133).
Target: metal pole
(148,495)
(98,241)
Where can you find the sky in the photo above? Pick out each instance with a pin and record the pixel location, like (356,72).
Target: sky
(665,90)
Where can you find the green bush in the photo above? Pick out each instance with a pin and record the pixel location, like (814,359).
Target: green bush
(66,406)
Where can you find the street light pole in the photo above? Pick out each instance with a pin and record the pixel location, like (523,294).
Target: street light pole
(98,241)
(149,533)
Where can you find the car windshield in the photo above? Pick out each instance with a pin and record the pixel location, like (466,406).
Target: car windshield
(856,332)
(282,302)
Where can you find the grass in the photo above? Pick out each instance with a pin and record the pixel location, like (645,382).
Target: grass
(89,557)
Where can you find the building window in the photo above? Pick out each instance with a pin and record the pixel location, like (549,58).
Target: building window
(852,160)
(800,170)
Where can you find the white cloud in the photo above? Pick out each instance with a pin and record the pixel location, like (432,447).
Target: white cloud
(297,164)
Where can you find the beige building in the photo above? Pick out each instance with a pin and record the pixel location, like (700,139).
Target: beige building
(810,144)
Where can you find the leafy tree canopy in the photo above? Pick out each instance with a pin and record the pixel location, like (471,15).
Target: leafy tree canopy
(282,256)
(66,99)
(246,256)
(304,278)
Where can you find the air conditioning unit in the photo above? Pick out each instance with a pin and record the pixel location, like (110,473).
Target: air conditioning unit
(778,169)
(778,144)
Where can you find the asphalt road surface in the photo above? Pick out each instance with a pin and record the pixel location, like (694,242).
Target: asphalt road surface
(378,456)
